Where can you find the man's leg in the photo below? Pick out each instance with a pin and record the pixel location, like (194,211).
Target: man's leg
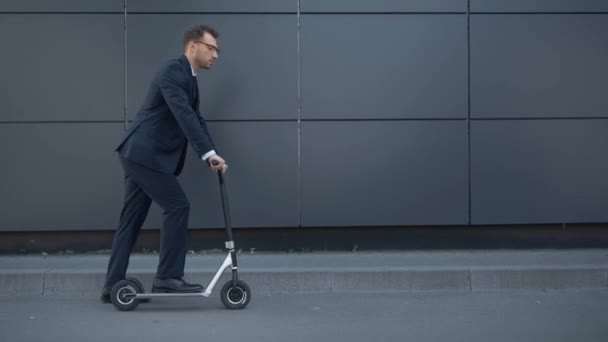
(165,190)
(135,209)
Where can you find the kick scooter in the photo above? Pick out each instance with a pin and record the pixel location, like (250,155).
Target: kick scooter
(127,294)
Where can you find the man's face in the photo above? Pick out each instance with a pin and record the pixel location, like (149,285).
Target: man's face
(206,51)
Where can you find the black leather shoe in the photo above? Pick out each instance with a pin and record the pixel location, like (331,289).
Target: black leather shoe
(174,285)
(105,295)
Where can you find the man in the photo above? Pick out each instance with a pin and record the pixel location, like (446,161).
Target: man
(152,154)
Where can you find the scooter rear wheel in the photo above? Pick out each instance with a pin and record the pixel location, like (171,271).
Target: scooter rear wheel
(235,297)
(140,289)
(123,295)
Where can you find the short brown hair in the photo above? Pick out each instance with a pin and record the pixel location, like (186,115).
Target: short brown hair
(197,32)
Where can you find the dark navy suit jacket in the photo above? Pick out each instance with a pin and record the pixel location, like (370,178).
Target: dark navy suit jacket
(167,120)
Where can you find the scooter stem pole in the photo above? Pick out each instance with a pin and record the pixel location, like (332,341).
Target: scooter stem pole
(225,206)
(230,243)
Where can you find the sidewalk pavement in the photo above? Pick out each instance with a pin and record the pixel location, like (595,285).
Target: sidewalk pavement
(82,275)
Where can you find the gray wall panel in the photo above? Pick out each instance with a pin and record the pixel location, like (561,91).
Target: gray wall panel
(352,66)
(539,5)
(262,178)
(250,80)
(384,173)
(212,6)
(383,6)
(62,67)
(410,66)
(546,171)
(61,176)
(62,6)
(539,66)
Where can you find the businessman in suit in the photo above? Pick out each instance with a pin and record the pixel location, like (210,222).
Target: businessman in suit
(152,154)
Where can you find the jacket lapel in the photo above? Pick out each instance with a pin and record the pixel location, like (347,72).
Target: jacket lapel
(192,83)
(196,93)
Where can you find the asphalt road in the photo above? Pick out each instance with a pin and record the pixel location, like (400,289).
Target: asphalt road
(572,315)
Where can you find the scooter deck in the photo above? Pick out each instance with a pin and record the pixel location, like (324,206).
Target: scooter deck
(171,294)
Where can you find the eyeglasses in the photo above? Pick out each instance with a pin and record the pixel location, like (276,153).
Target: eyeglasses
(211,47)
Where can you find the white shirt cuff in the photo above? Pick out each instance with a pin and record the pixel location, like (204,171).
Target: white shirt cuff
(208,154)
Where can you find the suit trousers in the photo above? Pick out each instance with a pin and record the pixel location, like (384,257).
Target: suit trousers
(142,186)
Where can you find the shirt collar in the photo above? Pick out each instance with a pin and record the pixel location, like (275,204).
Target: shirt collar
(193,72)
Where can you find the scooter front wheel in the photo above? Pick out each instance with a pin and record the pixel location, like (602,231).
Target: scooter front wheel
(235,297)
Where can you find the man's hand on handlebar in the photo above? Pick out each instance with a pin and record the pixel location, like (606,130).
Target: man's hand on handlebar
(217,163)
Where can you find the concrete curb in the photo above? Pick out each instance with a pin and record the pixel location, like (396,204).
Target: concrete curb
(86,283)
